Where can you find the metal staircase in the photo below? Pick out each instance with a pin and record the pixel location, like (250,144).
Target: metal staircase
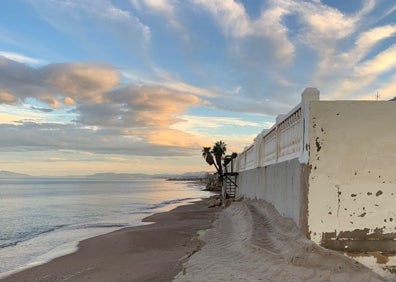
(230,184)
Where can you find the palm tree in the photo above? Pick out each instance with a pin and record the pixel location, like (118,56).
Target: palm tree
(207,155)
(228,158)
(218,151)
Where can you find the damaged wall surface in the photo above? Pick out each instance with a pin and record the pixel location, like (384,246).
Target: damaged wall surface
(352,184)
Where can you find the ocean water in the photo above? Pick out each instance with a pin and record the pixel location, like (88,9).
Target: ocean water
(41,219)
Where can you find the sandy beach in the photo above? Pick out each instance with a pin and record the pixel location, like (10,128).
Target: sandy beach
(153,252)
(250,241)
(247,241)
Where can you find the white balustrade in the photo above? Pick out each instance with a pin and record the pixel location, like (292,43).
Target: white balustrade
(250,158)
(283,141)
(290,137)
(270,147)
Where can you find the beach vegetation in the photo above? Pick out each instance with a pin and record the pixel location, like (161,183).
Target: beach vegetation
(214,156)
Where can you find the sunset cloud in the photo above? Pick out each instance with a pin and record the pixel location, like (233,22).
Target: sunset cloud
(68,82)
(80,81)
(7,98)
(147,111)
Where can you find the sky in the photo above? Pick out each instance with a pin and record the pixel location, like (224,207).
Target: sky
(140,86)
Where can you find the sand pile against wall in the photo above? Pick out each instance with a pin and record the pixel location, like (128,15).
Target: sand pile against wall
(250,241)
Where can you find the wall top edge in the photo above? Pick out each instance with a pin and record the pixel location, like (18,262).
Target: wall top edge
(247,148)
(286,116)
(355,101)
(309,94)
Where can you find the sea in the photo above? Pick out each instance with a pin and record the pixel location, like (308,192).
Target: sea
(44,218)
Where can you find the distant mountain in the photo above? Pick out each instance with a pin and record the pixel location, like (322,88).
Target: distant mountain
(111,175)
(197,174)
(9,174)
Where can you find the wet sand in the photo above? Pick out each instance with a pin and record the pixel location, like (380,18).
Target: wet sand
(154,252)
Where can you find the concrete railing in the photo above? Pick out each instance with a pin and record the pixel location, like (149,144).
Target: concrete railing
(285,140)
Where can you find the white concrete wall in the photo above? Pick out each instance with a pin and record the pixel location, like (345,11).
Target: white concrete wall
(279,184)
(331,167)
(352,184)
(273,168)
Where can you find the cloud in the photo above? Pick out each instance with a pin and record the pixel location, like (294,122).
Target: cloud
(350,56)
(147,105)
(20,58)
(171,81)
(363,45)
(282,35)
(171,137)
(349,69)
(387,90)
(145,112)
(368,6)
(270,25)
(324,24)
(365,74)
(189,122)
(321,27)
(368,39)
(268,32)
(52,137)
(44,110)
(207,130)
(85,81)
(229,15)
(117,159)
(76,18)
(7,98)
(163,7)
(55,83)
(22,113)
(382,63)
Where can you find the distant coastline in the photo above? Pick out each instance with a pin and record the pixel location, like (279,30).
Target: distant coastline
(194,179)
(189,176)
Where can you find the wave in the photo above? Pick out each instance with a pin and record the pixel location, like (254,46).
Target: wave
(9,244)
(25,236)
(40,230)
(97,225)
(169,202)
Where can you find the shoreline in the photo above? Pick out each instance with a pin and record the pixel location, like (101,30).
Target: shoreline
(141,253)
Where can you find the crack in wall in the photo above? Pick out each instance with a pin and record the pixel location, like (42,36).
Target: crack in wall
(338,198)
